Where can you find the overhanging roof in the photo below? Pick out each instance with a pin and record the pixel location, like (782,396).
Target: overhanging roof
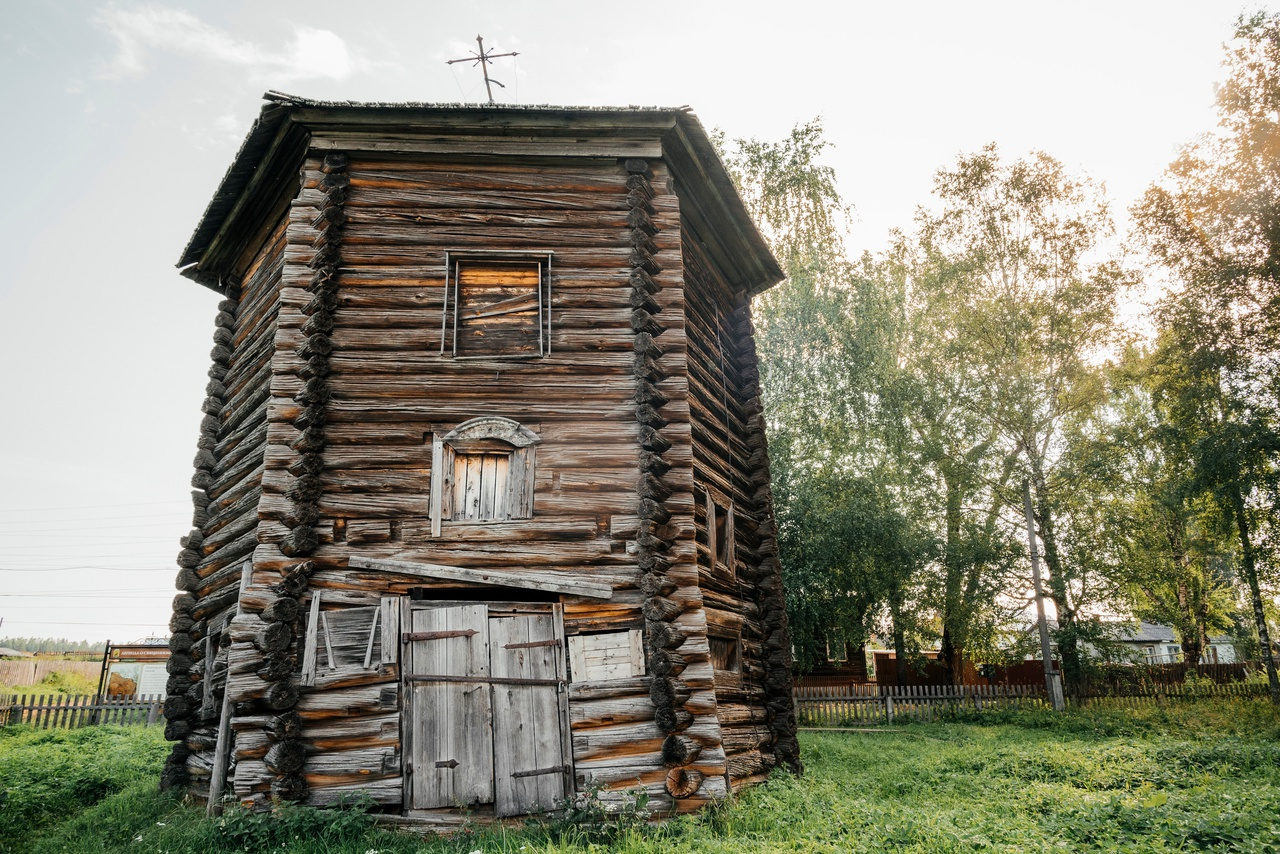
(692,156)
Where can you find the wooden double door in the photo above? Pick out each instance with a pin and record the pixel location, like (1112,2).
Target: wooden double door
(486,712)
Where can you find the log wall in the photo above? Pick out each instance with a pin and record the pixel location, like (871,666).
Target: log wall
(228,479)
(740,583)
(357,448)
(329,386)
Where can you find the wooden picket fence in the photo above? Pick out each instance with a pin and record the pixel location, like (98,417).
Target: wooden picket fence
(1144,696)
(869,705)
(67,711)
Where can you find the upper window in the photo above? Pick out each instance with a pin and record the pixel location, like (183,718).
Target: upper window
(726,651)
(718,518)
(482,471)
(497,305)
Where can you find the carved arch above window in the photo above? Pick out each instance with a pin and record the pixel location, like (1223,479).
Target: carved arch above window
(482,471)
(493,427)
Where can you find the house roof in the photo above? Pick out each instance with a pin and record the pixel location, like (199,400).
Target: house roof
(1146,633)
(287,122)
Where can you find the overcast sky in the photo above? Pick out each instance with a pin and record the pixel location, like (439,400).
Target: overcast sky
(122,118)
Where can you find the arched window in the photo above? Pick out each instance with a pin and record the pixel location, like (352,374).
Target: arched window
(482,471)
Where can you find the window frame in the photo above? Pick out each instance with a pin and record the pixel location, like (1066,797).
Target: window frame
(483,429)
(721,535)
(733,639)
(542,258)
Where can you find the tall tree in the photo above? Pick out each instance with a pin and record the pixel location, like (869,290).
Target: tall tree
(1214,221)
(955,457)
(1160,546)
(851,553)
(1029,301)
(876,458)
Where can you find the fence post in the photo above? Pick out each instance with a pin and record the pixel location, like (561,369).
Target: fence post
(888,707)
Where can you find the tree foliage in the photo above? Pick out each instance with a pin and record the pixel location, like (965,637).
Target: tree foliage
(1213,220)
(908,394)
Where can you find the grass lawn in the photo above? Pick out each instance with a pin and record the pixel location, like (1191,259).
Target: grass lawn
(1204,776)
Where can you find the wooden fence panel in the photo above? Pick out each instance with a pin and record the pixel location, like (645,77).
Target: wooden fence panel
(854,705)
(67,711)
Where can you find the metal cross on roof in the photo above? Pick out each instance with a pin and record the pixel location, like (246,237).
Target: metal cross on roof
(483,58)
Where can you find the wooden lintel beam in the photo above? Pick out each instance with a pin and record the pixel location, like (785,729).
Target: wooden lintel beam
(522,580)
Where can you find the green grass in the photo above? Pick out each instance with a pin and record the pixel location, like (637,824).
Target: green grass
(1202,776)
(58,682)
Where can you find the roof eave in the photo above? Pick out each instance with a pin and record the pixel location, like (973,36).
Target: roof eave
(285,114)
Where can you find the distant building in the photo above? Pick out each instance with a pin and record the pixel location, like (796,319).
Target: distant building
(1157,644)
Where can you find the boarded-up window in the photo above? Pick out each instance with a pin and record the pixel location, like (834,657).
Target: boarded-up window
(482,471)
(345,641)
(500,305)
(480,487)
(718,515)
(603,657)
(726,653)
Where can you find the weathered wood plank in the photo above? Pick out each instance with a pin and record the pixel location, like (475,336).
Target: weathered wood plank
(515,579)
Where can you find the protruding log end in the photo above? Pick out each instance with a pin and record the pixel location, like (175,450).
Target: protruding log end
(290,788)
(301,541)
(285,727)
(661,609)
(176,730)
(187,579)
(281,696)
(275,637)
(180,642)
(286,757)
(665,635)
(683,782)
(334,161)
(669,720)
(679,750)
(275,667)
(282,610)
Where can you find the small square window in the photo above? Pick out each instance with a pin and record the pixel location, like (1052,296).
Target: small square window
(497,305)
(726,653)
(721,551)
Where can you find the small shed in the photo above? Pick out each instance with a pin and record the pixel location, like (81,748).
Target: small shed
(482,501)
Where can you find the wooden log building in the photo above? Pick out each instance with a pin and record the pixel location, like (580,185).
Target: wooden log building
(482,502)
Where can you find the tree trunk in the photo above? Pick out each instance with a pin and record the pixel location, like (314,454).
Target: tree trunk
(899,646)
(1249,567)
(1189,627)
(951,659)
(1068,642)
(952,616)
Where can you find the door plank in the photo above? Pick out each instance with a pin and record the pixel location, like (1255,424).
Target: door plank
(527,720)
(452,721)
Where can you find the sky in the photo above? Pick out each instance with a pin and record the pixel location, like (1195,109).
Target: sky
(122,118)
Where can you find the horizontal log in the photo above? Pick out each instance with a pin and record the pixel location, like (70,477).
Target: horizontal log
(519,579)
